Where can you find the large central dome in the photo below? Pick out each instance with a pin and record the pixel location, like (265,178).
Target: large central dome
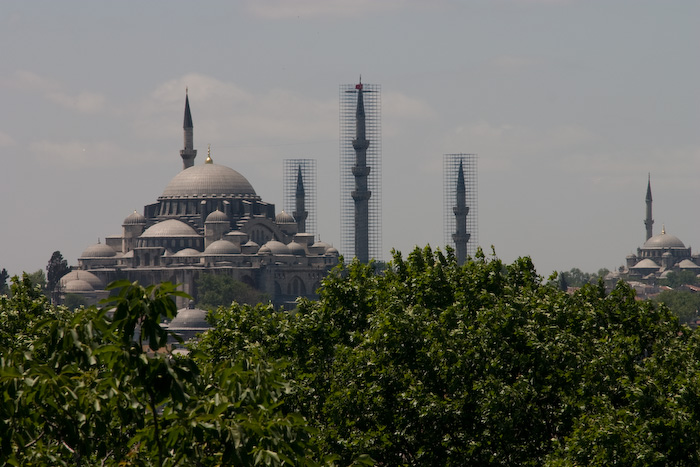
(207,180)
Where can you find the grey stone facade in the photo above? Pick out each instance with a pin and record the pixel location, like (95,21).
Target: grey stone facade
(209,219)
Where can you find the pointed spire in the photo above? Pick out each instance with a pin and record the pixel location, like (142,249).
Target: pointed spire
(649,221)
(649,188)
(300,183)
(188,114)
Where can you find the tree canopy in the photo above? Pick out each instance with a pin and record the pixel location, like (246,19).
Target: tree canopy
(215,290)
(432,363)
(55,269)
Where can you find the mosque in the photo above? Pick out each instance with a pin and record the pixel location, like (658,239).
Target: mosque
(209,219)
(657,257)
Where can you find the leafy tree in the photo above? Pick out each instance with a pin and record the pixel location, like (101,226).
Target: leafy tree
(4,289)
(683,303)
(93,388)
(38,279)
(678,278)
(432,363)
(215,290)
(73,301)
(55,269)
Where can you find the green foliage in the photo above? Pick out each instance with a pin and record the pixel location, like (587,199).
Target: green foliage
(88,388)
(38,279)
(577,278)
(432,363)
(55,269)
(73,301)
(683,303)
(4,289)
(215,290)
(678,278)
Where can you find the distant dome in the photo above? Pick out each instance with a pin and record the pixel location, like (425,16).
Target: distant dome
(207,180)
(250,247)
(319,248)
(296,249)
(187,252)
(222,247)
(332,251)
(217,216)
(189,318)
(663,240)
(170,228)
(688,264)
(275,247)
(236,236)
(86,276)
(98,250)
(284,218)
(135,219)
(78,286)
(646,264)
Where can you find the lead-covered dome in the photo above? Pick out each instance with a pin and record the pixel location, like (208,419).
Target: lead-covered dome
(663,240)
(207,180)
(98,250)
(170,228)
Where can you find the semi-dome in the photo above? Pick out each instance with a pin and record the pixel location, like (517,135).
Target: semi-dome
(134,219)
(170,228)
(222,247)
(275,247)
(216,216)
(86,276)
(78,286)
(207,180)
(296,249)
(98,250)
(284,218)
(663,240)
(187,252)
(646,264)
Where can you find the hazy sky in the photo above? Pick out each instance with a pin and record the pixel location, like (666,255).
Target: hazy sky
(569,104)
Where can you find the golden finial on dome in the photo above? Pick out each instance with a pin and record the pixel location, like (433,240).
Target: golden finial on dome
(663,229)
(209,161)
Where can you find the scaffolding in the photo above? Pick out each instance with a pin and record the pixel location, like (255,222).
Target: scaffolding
(308,175)
(450,170)
(373,123)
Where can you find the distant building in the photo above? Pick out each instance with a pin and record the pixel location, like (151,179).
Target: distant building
(659,255)
(209,219)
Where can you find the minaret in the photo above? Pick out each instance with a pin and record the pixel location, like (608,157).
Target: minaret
(188,153)
(360,171)
(300,213)
(461,237)
(649,222)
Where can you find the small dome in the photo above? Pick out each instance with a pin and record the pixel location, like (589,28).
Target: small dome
(319,248)
(134,219)
(221,247)
(170,228)
(189,318)
(98,250)
(296,249)
(236,236)
(646,264)
(86,276)
(688,264)
(187,252)
(217,216)
(250,247)
(275,247)
(284,218)
(78,286)
(332,251)
(663,240)
(207,180)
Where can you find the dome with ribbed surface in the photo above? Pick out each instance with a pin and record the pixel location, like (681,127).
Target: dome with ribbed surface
(98,250)
(207,180)
(170,228)
(663,240)
(217,216)
(275,247)
(85,276)
(221,247)
(284,218)
(134,219)
(77,286)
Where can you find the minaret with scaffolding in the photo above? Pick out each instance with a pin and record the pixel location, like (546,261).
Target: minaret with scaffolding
(188,153)
(649,221)
(460,204)
(300,193)
(360,171)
